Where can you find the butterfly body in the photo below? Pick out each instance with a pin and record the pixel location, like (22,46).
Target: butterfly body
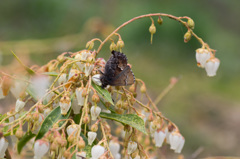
(117,72)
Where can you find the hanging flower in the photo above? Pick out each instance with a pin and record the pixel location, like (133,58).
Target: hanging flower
(95,111)
(96,79)
(41,147)
(202,55)
(49,96)
(97,151)
(76,108)
(132,146)
(146,115)
(39,85)
(80,98)
(3,147)
(17,88)
(91,137)
(211,66)
(72,129)
(176,141)
(88,69)
(114,148)
(62,79)
(65,104)
(19,105)
(159,138)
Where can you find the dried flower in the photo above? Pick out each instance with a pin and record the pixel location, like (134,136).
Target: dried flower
(41,147)
(211,66)
(91,137)
(95,111)
(97,151)
(202,55)
(132,146)
(3,147)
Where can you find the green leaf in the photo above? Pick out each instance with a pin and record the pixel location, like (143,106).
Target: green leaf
(127,119)
(31,92)
(103,92)
(50,120)
(50,73)
(2,116)
(27,137)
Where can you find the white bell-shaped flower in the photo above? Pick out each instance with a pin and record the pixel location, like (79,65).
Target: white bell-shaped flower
(91,137)
(40,84)
(19,105)
(72,73)
(80,98)
(76,108)
(117,156)
(114,147)
(202,55)
(65,104)
(81,155)
(97,151)
(85,54)
(46,112)
(146,115)
(49,97)
(62,79)
(95,111)
(180,146)
(17,88)
(152,130)
(96,79)
(88,69)
(159,138)
(132,146)
(72,129)
(3,147)
(211,66)
(175,140)
(41,147)
(167,135)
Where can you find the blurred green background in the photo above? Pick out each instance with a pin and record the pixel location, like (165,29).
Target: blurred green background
(207,110)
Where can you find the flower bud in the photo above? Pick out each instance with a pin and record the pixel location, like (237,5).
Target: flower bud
(66,154)
(71,138)
(19,133)
(6,85)
(90,45)
(160,20)
(81,144)
(95,98)
(132,88)
(143,89)
(191,23)
(91,59)
(120,44)
(86,119)
(187,36)
(94,127)
(72,129)
(35,116)
(113,46)
(152,30)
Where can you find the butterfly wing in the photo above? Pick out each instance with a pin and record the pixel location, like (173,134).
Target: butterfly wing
(123,77)
(121,59)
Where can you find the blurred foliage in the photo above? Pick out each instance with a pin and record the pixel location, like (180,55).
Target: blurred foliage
(204,108)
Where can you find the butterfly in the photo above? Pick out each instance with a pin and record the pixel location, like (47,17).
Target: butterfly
(117,72)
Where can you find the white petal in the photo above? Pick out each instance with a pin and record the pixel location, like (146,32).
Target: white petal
(17,88)
(175,139)
(132,146)
(80,98)
(159,138)
(211,67)
(202,55)
(96,79)
(114,147)
(95,111)
(41,147)
(62,79)
(72,129)
(19,105)
(76,108)
(39,85)
(97,151)
(180,146)
(91,137)
(88,69)
(3,146)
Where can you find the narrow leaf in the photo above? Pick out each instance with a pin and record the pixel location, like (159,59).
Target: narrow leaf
(22,142)
(29,70)
(103,92)
(50,120)
(50,73)
(127,119)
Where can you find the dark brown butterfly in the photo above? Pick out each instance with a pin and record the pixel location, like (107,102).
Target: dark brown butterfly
(117,72)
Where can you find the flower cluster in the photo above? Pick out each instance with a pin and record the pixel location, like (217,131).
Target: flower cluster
(70,110)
